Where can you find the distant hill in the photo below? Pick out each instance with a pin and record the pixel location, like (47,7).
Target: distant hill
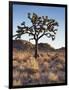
(27,46)
(61,49)
(22,45)
(45,47)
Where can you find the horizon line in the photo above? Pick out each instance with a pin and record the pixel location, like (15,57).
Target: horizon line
(40,42)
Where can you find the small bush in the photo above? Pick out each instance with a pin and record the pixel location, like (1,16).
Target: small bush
(52,76)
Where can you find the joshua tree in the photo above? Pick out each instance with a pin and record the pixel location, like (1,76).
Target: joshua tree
(40,26)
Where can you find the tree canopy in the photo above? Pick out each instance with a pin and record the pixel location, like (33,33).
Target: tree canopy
(40,26)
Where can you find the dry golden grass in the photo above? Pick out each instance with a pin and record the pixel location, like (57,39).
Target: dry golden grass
(45,69)
(59,66)
(32,63)
(35,76)
(21,56)
(52,76)
(46,64)
(16,74)
(45,57)
(17,83)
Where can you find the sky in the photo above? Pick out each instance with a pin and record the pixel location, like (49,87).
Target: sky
(57,13)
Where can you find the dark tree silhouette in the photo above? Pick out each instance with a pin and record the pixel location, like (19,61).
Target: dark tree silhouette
(41,26)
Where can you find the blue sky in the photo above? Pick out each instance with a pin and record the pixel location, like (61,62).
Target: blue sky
(57,13)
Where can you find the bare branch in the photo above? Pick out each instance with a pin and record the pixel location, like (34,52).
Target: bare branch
(42,35)
(23,23)
(15,35)
(29,16)
(31,39)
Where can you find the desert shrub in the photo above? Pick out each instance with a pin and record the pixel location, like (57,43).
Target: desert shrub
(43,77)
(46,64)
(44,67)
(21,56)
(15,74)
(59,66)
(51,54)
(32,64)
(46,57)
(35,76)
(40,60)
(15,64)
(61,59)
(61,76)
(41,54)
(47,68)
(17,83)
(52,76)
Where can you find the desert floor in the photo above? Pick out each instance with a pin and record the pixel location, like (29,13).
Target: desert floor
(48,68)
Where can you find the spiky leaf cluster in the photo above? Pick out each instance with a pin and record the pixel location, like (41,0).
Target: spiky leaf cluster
(40,26)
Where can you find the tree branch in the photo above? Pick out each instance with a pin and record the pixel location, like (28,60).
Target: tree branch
(31,39)
(40,26)
(15,35)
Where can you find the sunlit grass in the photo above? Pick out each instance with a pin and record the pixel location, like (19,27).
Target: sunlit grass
(45,69)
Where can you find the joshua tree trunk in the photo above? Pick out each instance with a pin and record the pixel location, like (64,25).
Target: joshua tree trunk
(36,48)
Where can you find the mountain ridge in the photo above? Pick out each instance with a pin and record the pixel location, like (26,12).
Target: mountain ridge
(26,45)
